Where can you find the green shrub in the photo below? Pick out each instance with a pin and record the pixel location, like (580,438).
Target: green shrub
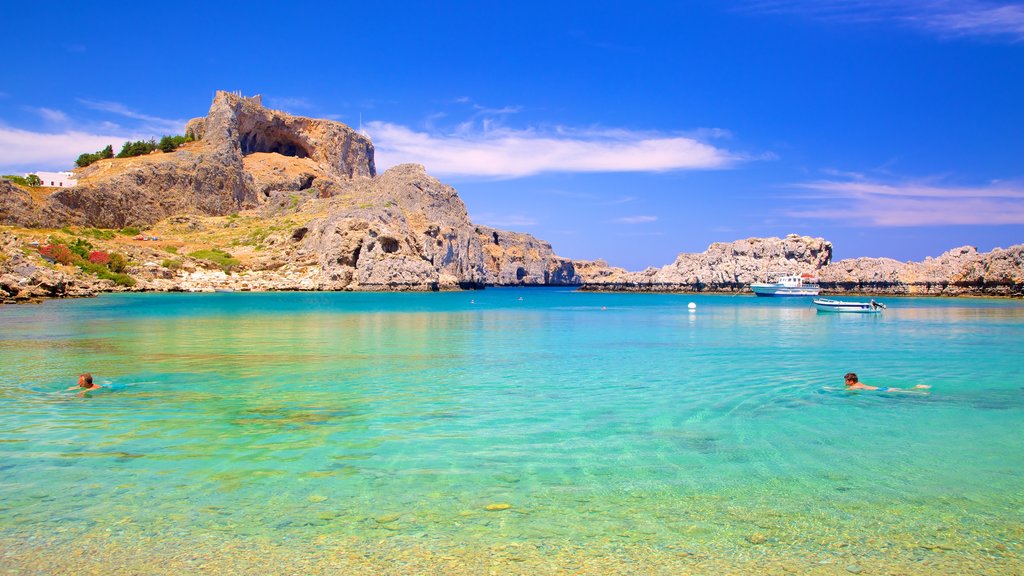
(171,249)
(137,148)
(81,247)
(172,264)
(171,143)
(33,180)
(98,233)
(19,180)
(218,257)
(118,262)
(87,158)
(130,231)
(101,271)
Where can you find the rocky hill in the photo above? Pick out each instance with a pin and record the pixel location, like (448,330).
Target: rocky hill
(298,200)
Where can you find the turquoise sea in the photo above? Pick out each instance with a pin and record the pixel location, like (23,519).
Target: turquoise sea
(524,429)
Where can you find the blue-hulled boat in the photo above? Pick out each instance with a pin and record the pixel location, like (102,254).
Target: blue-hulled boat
(826,305)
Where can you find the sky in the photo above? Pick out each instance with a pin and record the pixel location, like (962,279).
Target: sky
(625,131)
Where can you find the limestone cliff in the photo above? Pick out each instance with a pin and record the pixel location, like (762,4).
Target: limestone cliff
(513,258)
(733,266)
(212,175)
(958,271)
(725,266)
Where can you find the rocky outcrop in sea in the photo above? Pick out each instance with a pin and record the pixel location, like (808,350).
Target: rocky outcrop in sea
(723,267)
(733,266)
(958,272)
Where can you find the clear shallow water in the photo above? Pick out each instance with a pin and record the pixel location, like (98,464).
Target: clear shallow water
(292,417)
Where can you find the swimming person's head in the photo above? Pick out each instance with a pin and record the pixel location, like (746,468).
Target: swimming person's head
(85,380)
(850,378)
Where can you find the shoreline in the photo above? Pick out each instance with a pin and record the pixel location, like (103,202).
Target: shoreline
(351,555)
(40,299)
(588,288)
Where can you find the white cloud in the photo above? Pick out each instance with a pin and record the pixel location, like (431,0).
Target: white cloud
(637,219)
(948,18)
(507,153)
(21,150)
(912,204)
(149,124)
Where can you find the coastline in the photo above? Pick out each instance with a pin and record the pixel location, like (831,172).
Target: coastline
(951,290)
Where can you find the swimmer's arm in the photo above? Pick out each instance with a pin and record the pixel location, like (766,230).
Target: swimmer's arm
(71,388)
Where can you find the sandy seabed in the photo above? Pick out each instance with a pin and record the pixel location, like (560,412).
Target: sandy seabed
(97,555)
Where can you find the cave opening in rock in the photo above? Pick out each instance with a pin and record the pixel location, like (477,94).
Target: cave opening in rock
(273,141)
(520,273)
(388,245)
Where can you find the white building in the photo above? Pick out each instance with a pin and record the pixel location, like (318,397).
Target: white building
(55,179)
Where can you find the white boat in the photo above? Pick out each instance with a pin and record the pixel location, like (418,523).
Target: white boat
(802,285)
(826,305)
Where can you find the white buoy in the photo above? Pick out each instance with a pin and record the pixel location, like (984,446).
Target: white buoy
(692,306)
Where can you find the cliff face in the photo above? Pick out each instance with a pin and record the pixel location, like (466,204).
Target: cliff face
(513,258)
(405,229)
(210,176)
(237,126)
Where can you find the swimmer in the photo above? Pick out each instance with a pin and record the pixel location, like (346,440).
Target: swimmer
(852,383)
(85,383)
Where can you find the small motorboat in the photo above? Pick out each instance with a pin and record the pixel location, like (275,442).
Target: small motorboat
(826,305)
(802,285)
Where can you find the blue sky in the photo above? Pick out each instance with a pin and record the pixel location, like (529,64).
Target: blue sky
(628,131)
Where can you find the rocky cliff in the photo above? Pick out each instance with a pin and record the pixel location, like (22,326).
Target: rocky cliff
(733,266)
(210,176)
(724,266)
(513,258)
(959,271)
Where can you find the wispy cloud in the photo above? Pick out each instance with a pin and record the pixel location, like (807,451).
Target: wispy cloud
(636,219)
(504,220)
(52,116)
(149,123)
(947,18)
(24,150)
(500,152)
(875,203)
(290,103)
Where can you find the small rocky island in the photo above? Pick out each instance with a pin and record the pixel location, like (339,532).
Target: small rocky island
(262,200)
